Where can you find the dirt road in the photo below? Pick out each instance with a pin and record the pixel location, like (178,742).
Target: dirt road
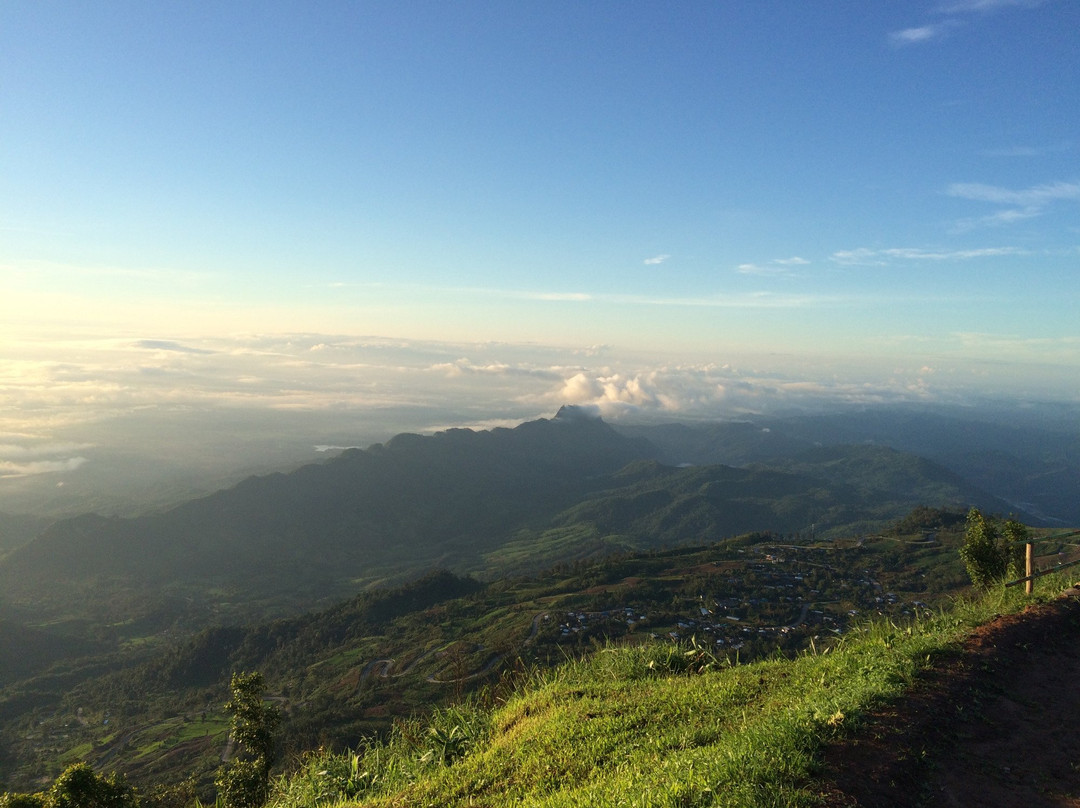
(998,724)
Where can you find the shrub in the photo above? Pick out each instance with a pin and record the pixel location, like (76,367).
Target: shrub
(992,550)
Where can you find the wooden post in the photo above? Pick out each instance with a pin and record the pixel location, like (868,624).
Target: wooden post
(1029,584)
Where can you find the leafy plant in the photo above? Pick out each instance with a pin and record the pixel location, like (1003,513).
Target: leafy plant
(244,782)
(992,550)
(22,800)
(79,786)
(453,732)
(325,778)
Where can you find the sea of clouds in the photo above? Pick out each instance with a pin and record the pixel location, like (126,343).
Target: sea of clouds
(88,414)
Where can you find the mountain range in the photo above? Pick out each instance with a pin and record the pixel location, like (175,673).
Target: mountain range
(478,502)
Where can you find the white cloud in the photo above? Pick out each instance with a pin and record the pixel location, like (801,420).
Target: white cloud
(720,391)
(758,269)
(776,266)
(751,300)
(40,456)
(1037,196)
(10,469)
(955,15)
(863,256)
(572,297)
(657,259)
(1027,203)
(1001,218)
(514,294)
(968,6)
(159,275)
(462,367)
(1011,343)
(35,451)
(618,394)
(924,33)
(507,294)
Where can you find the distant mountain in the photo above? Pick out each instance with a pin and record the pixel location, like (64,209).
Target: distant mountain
(845,488)
(489,502)
(413,503)
(731,443)
(871,470)
(1032,465)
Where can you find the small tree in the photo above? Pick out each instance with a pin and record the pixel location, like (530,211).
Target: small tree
(78,786)
(992,550)
(244,782)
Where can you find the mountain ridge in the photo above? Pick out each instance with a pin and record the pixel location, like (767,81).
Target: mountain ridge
(450,492)
(288,541)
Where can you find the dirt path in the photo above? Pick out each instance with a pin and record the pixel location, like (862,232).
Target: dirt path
(998,724)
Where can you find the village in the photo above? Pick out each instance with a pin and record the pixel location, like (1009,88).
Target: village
(778,597)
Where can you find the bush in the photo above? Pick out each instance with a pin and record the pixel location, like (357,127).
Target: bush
(992,550)
(22,800)
(79,786)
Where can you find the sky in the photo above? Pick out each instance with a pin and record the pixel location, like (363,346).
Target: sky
(358,218)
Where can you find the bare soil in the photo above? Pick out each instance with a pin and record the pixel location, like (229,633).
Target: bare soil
(995,724)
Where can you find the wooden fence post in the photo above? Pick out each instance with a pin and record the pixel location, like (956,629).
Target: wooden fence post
(1029,554)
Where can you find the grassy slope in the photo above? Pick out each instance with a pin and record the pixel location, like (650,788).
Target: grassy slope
(326,667)
(640,727)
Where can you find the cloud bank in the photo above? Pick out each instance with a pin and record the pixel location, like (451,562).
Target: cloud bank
(95,414)
(32,455)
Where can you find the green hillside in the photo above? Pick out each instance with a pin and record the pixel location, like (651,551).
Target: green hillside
(350,672)
(1023,460)
(654,726)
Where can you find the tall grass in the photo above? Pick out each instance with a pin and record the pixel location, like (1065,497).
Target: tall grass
(653,725)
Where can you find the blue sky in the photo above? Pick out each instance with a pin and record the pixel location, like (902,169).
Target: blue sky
(863,191)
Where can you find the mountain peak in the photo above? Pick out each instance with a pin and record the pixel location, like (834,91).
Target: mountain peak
(574,412)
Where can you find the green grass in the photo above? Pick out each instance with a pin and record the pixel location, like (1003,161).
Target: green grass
(77,753)
(652,725)
(535,550)
(216,726)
